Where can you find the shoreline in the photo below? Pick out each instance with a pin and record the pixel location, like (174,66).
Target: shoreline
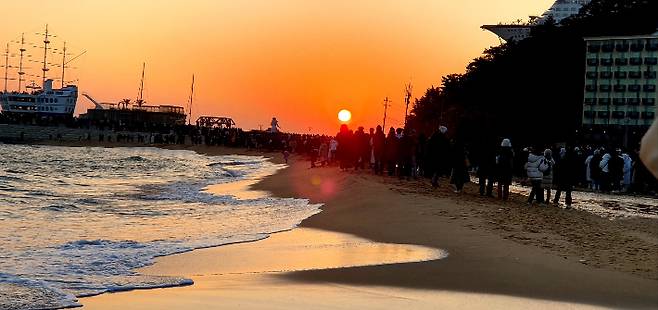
(485,259)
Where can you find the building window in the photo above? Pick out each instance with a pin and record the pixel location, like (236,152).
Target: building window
(604,101)
(636,61)
(620,88)
(590,88)
(637,45)
(633,115)
(606,62)
(594,48)
(650,88)
(651,61)
(618,101)
(648,115)
(618,114)
(590,101)
(621,61)
(633,101)
(652,45)
(620,75)
(592,62)
(605,75)
(607,47)
(603,114)
(649,74)
(622,46)
(649,101)
(605,88)
(635,74)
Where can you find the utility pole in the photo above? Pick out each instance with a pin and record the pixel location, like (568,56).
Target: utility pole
(189,120)
(407,98)
(387,103)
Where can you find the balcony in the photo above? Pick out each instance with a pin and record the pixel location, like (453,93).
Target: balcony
(649,88)
(634,88)
(607,47)
(620,75)
(636,61)
(620,88)
(594,48)
(618,101)
(633,115)
(648,115)
(605,75)
(635,74)
(606,88)
(649,74)
(651,61)
(603,114)
(648,101)
(592,62)
(590,101)
(604,101)
(622,47)
(621,61)
(633,101)
(590,88)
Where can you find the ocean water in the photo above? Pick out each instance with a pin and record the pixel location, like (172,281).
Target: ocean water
(78,221)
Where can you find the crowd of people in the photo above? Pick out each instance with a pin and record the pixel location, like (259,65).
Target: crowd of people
(494,163)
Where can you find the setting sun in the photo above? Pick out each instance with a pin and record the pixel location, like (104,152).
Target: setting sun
(344,115)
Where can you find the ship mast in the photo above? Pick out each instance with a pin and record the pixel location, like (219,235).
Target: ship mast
(189,119)
(20,63)
(6,65)
(45,55)
(63,62)
(141,86)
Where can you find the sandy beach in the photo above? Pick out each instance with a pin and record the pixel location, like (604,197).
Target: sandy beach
(501,255)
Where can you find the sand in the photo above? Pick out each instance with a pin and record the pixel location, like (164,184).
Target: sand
(501,255)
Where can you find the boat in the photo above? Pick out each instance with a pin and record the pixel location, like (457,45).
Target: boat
(520,30)
(38,100)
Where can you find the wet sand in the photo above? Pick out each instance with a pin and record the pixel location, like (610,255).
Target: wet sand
(501,255)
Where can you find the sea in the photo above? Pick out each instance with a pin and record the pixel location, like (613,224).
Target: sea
(79,221)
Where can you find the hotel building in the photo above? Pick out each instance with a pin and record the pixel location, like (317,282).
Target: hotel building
(620,81)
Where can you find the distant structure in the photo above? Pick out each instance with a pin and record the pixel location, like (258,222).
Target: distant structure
(620,81)
(38,101)
(560,10)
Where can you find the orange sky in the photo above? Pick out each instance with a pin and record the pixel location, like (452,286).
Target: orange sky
(299,60)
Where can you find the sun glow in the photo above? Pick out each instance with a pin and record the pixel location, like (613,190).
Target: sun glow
(344,115)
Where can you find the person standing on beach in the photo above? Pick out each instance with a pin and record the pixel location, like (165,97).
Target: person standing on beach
(486,164)
(566,175)
(391,151)
(504,168)
(535,176)
(546,168)
(460,165)
(378,142)
(438,151)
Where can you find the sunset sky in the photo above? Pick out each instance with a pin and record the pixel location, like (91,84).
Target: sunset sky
(299,60)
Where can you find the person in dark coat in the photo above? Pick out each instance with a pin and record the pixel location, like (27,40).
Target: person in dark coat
(566,175)
(438,155)
(504,168)
(360,148)
(486,163)
(344,150)
(378,143)
(391,149)
(459,163)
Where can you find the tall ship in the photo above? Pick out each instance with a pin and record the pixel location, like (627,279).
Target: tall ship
(33,100)
(519,30)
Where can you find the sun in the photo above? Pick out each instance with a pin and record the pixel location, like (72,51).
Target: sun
(344,115)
